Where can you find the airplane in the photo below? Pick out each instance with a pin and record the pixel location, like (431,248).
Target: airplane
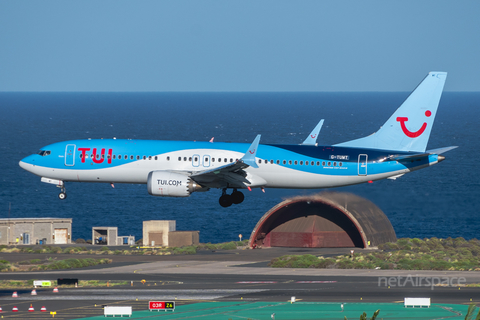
(179,168)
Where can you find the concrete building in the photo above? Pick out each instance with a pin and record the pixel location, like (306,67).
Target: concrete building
(35,231)
(109,236)
(162,233)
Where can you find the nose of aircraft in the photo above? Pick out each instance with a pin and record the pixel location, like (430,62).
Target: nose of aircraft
(441,158)
(27,163)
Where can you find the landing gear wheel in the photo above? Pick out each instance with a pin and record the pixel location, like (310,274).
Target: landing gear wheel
(225,200)
(62,195)
(237,197)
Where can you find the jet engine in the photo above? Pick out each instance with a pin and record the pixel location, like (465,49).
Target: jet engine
(171,184)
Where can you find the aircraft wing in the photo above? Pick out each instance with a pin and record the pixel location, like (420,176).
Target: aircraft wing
(232,174)
(313,136)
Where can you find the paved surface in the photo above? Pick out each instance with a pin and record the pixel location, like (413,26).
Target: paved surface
(302,311)
(237,276)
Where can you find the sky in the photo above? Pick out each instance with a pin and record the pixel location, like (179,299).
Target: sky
(237,45)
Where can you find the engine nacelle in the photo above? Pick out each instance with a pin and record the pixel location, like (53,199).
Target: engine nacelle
(171,184)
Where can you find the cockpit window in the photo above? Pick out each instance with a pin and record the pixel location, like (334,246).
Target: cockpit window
(44,153)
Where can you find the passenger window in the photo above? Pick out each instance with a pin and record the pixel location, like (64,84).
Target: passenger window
(231,160)
(284,161)
(131,157)
(318,163)
(126,157)
(144,157)
(340,164)
(306,163)
(168,158)
(149,157)
(301,162)
(138,157)
(225,160)
(296,162)
(271,161)
(312,163)
(190,159)
(334,164)
(184,158)
(278,161)
(213,159)
(156,158)
(260,161)
(323,163)
(289,161)
(329,163)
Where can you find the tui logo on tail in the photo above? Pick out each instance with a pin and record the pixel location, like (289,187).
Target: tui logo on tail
(409,133)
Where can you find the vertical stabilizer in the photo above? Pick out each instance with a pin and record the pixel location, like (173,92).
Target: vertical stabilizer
(408,129)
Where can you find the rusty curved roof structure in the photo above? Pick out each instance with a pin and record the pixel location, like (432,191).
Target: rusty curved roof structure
(327,219)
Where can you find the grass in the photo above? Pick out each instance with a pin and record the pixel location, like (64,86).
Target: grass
(50,264)
(406,254)
(136,250)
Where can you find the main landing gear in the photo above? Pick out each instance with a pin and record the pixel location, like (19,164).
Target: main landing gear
(226,200)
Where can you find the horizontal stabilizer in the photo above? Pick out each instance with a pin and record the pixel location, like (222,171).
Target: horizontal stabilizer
(441,150)
(423,154)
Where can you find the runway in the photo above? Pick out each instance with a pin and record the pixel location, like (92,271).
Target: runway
(214,277)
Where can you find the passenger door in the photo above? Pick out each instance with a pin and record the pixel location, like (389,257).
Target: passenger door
(362,164)
(70,155)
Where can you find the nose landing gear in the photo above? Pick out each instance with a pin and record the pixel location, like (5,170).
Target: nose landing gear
(63,192)
(226,200)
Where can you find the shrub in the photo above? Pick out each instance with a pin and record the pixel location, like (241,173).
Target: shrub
(228,246)
(185,250)
(280,262)
(345,264)
(210,246)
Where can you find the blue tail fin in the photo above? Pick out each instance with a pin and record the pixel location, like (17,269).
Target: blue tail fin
(408,129)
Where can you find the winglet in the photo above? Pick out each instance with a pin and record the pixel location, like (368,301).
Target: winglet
(312,138)
(249,157)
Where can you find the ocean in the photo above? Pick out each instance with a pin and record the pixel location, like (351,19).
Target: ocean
(440,201)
